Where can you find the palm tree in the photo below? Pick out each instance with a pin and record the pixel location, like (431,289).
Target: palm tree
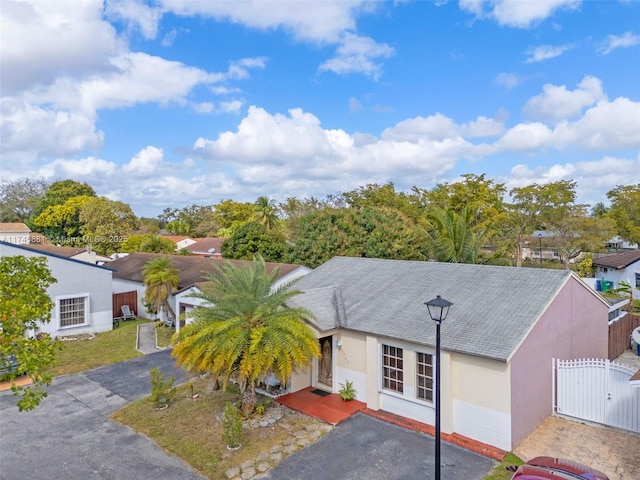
(453,238)
(246,331)
(265,212)
(161,280)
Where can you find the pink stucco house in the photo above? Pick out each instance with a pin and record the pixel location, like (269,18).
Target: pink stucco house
(498,341)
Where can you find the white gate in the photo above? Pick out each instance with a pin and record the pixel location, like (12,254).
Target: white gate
(597,391)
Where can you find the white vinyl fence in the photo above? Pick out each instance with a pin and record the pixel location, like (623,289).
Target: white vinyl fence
(597,391)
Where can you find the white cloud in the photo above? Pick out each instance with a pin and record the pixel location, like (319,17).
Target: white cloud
(508,80)
(433,127)
(358,54)
(545,52)
(483,127)
(145,163)
(520,14)
(138,15)
(354,105)
(625,40)
(84,169)
(556,103)
(43,40)
(318,22)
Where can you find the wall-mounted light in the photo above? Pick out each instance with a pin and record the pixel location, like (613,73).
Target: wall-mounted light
(339,344)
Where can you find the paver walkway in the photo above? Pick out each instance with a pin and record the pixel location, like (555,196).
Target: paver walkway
(613,452)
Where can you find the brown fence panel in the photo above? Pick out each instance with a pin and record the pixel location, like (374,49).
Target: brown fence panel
(620,334)
(124,298)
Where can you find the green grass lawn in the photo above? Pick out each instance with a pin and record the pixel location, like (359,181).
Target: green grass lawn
(164,335)
(191,429)
(106,348)
(500,472)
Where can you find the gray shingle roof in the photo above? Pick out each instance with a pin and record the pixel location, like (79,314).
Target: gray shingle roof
(618,260)
(494,307)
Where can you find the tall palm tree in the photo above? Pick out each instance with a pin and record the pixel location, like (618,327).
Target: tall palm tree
(161,280)
(453,238)
(246,331)
(265,212)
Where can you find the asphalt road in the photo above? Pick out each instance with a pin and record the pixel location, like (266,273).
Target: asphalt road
(365,448)
(69,436)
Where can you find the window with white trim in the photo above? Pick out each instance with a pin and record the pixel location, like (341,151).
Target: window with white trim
(73,310)
(424,376)
(392,368)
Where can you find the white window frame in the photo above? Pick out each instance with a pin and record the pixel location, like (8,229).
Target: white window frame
(382,365)
(418,376)
(87,319)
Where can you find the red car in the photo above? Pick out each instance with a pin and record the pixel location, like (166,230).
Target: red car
(545,468)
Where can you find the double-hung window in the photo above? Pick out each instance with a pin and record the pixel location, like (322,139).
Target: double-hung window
(73,310)
(392,368)
(424,376)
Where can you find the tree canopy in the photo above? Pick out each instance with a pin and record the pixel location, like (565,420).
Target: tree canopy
(24,302)
(246,331)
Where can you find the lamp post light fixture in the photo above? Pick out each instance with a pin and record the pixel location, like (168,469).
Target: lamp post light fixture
(438,310)
(540,247)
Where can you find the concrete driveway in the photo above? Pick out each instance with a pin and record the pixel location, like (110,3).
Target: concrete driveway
(70,436)
(363,447)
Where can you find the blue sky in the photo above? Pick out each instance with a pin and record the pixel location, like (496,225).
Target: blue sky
(171,102)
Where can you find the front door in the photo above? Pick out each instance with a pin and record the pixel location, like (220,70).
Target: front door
(325,364)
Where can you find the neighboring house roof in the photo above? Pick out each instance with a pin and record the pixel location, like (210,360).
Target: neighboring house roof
(14,227)
(204,246)
(191,269)
(494,307)
(46,252)
(618,260)
(176,238)
(57,249)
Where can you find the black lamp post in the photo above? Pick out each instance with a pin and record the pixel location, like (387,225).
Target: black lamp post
(540,247)
(438,310)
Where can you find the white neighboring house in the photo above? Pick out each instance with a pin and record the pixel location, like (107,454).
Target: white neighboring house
(84,254)
(127,277)
(181,241)
(17,233)
(185,302)
(623,266)
(81,295)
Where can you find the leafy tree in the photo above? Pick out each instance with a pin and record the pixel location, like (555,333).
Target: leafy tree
(148,225)
(535,206)
(246,330)
(161,279)
(482,200)
(252,239)
(266,213)
(453,238)
(61,191)
(61,223)
(148,243)
(229,215)
(374,195)
(625,211)
(24,302)
(374,232)
(18,199)
(599,210)
(106,223)
(194,220)
(574,232)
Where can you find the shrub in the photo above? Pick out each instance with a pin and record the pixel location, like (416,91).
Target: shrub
(162,390)
(347,392)
(231,426)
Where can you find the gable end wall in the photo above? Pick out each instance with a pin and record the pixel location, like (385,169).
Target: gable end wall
(573,326)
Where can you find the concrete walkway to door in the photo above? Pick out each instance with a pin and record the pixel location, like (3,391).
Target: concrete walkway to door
(611,451)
